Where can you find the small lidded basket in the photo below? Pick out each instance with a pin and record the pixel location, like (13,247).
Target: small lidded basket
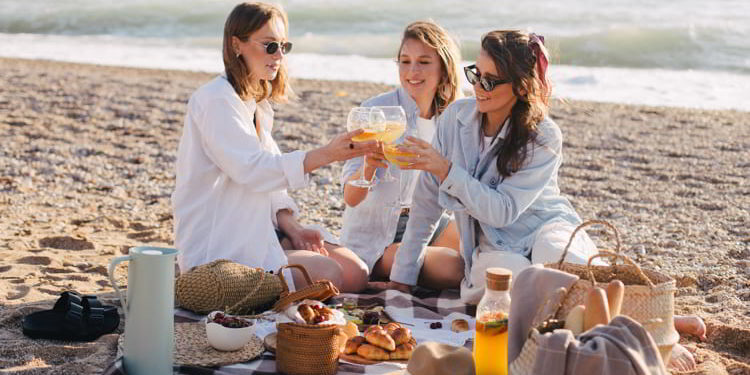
(307,349)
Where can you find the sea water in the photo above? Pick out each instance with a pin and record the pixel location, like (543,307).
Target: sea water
(684,53)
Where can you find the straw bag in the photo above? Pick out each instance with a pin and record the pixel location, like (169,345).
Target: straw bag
(229,286)
(307,349)
(524,363)
(649,295)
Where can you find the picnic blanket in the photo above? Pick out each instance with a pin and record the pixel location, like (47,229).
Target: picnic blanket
(420,308)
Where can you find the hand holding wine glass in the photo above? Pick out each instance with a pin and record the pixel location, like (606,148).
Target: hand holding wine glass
(420,155)
(395,126)
(370,122)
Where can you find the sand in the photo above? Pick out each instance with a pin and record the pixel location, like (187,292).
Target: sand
(87,169)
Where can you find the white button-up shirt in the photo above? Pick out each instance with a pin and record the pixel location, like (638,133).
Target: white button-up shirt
(230,181)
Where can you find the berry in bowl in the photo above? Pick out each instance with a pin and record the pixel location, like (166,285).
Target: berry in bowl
(228,333)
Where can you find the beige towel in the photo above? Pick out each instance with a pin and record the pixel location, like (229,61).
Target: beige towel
(531,289)
(621,348)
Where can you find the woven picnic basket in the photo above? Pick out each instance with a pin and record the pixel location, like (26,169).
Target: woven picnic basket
(307,349)
(228,286)
(649,295)
(524,363)
(320,290)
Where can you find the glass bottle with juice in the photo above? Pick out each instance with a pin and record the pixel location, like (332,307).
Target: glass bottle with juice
(491,335)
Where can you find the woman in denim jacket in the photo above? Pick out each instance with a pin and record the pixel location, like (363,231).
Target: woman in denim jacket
(494,163)
(428,62)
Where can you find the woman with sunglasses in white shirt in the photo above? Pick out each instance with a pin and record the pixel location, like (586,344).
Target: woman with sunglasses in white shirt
(428,62)
(230,199)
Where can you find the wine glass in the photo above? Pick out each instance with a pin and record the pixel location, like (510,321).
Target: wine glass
(372,122)
(407,178)
(395,126)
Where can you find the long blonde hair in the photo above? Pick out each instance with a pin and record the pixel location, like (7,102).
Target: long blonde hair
(435,37)
(245,19)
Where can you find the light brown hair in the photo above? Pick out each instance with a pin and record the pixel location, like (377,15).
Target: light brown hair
(516,57)
(245,19)
(435,37)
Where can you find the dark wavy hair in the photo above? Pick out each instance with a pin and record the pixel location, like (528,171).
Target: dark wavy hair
(516,54)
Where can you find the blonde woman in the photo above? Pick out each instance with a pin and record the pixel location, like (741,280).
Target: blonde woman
(230,199)
(428,62)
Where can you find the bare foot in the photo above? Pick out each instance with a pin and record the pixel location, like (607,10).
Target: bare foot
(691,325)
(681,359)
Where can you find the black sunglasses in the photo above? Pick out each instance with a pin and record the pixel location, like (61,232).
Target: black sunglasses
(473,75)
(272,47)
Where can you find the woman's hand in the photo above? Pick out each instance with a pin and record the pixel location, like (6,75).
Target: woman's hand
(308,239)
(341,148)
(374,160)
(425,158)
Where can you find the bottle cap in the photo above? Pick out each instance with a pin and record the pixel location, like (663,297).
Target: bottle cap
(498,278)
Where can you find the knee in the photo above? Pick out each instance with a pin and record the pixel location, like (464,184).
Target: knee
(454,271)
(355,278)
(329,269)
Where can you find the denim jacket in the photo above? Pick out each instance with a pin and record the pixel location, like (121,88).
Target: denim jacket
(509,211)
(370,227)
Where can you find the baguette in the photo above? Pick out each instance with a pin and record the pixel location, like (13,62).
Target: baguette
(597,309)
(574,319)
(615,294)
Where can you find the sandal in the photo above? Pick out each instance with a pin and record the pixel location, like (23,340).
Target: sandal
(73,318)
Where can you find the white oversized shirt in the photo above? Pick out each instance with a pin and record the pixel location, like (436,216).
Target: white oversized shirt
(230,182)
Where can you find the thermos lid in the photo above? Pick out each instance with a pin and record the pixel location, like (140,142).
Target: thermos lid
(498,278)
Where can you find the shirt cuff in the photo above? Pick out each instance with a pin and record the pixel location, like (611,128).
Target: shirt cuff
(454,181)
(281,201)
(294,169)
(404,274)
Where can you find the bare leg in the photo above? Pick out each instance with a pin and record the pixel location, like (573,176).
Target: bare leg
(690,325)
(318,266)
(681,359)
(449,237)
(443,267)
(354,270)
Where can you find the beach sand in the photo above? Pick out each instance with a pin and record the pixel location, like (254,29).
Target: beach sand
(87,169)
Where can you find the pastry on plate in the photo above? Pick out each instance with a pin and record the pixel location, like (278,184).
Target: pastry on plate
(401,336)
(381,339)
(373,352)
(353,344)
(402,351)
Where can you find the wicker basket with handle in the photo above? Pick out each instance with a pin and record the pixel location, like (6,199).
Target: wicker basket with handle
(307,349)
(649,295)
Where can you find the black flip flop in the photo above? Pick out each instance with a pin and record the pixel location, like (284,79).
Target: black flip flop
(74,318)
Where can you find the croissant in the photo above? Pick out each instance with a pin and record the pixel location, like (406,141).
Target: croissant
(392,326)
(307,313)
(353,344)
(374,328)
(380,338)
(401,335)
(402,351)
(373,352)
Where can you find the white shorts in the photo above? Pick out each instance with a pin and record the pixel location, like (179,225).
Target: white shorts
(547,248)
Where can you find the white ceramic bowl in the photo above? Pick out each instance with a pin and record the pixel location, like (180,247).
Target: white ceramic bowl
(227,339)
